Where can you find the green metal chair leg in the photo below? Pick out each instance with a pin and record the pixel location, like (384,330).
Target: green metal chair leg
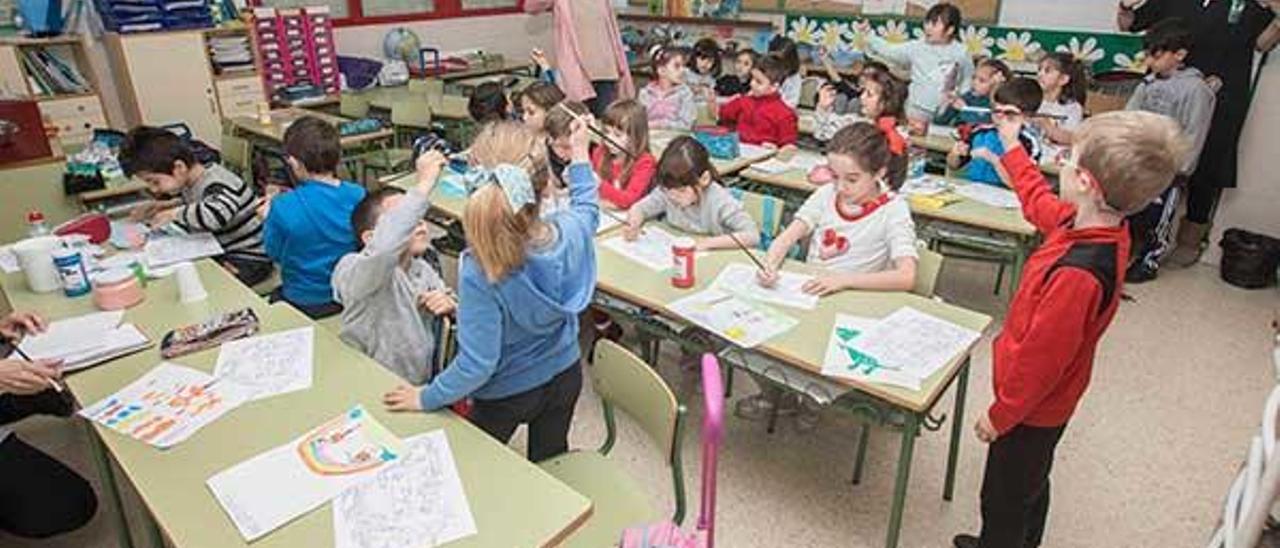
(728,381)
(957,428)
(909,430)
(861,456)
(108,477)
(999,279)
(773,412)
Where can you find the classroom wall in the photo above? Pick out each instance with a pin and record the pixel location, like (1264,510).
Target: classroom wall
(512,35)
(1255,204)
(1091,15)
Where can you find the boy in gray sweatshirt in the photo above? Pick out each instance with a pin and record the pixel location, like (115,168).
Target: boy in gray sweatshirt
(390,295)
(1179,92)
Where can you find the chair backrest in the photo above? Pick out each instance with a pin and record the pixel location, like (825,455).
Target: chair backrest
(433,87)
(353,106)
(625,382)
(809,91)
(765,210)
(413,114)
(236,154)
(712,433)
(928,265)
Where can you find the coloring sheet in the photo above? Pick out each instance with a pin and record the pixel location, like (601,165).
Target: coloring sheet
(269,365)
(914,343)
(652,248)
(606,223)
(166,405)
(802,161)
(990,195)
(738,320)
(167,250)
(842,361)
(269,490)
(740,279)
(418,501)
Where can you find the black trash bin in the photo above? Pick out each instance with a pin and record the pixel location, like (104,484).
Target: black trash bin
(1249,260)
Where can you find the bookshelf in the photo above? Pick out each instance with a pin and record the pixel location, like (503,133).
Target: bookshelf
(54,72)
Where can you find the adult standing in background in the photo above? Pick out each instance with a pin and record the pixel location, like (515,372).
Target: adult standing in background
(590,56)
(1227,32)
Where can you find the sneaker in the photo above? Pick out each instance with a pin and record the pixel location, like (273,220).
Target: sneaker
(758,407)
(965,541)
(1140,273)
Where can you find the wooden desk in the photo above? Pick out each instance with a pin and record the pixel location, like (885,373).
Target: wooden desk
(449,196)
(514,502)
(502,68)
(448,107)
(1006,227)
(800,350)
(660,138)
(282,118)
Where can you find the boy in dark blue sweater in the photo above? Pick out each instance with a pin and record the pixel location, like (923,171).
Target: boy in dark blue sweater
(309,228)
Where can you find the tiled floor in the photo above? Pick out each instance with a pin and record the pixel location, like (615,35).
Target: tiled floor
(1178,388)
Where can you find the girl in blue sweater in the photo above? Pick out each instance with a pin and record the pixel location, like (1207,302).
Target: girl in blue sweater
(523,283)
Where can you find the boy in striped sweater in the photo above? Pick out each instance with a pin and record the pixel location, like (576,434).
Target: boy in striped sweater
(205,198)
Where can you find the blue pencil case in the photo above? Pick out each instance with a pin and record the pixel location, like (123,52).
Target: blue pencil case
(719,142)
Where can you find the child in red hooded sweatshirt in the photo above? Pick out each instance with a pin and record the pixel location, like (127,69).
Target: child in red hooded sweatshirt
(760,116)
(1070,290)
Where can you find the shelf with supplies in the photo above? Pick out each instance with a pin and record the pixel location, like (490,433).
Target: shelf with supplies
(56,74)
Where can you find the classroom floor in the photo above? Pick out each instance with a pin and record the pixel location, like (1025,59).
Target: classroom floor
(1178,389)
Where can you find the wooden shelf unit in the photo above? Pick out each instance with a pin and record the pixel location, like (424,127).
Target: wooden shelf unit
(75,115)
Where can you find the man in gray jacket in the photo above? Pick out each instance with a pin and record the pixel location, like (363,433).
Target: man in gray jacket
(1179,92)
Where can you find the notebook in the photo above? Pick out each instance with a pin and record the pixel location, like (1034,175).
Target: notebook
(85,341)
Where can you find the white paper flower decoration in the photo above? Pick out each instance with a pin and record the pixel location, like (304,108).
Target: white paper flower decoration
(976,41)
(1087,52)
(1017,47)
(803,31)
(833,34)
(858,39)
(894,32)
(1138,63)
(918,33)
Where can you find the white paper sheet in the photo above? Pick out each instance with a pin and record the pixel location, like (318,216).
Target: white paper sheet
(8,260)
(167,250)
(165,406)
(652,248)
(911,342)
(804,162)
(989,195)
(418,501)
(891,7)
(269,365)
(842,361)
(72,337)
(926,185)
(740,279)
(606,223)
(125,339)
(271,489)
(751,152)
(740,321)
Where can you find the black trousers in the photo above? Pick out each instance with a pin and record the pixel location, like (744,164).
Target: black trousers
(313,311)
(39,496)
(1015,487)
(1151,229)
(248,271)
(1202,200)
(547,409)
(606,94)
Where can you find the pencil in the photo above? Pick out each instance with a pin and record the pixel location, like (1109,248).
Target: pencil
(750,255)
(57,387)
(598,133)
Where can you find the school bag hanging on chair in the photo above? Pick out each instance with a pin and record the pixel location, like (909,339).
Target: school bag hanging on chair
(667,534)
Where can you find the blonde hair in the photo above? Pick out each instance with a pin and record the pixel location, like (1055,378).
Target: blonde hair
(496,235)
(1134,155)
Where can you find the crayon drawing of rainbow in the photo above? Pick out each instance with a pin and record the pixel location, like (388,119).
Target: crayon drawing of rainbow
(344,446)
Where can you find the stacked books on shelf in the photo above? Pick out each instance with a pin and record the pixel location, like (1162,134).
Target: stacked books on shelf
(231,54)
(127,16)
(50,74)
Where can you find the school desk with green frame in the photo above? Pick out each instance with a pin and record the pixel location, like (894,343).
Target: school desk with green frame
(936,143)
(660,138)
(505,67)
(445,107)
(795,357)
(999,228)
(513,501)
(273,133)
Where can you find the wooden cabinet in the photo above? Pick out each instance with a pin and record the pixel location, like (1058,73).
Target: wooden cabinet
(69,101)
(164,78)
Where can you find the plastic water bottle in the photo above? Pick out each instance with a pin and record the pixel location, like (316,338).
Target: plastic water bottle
(36,224)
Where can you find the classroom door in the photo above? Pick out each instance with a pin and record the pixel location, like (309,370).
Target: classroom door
(172,82)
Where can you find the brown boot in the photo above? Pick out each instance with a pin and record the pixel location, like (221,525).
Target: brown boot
(1191,238)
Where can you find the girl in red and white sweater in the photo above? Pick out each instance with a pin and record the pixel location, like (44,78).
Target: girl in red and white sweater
(624,175)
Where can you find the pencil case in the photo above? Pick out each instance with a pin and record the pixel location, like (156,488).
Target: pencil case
(719,142)
(209,333)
